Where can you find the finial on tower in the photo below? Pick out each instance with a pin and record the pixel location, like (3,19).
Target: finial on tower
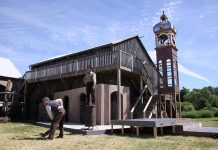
(163,17)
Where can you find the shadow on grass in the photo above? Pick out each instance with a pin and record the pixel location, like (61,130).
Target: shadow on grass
(34,138)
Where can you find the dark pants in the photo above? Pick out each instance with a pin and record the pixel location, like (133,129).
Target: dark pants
(90,91)
(57,121)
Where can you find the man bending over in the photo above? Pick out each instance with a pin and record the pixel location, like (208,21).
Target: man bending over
(56,112)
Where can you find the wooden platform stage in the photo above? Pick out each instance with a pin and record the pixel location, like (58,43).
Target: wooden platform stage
(154,123)
(178,126)
(81,129)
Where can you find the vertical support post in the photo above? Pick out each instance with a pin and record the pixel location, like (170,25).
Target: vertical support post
(112,129)
(96,61)
(77,67)
(155,132)
(159,107)
(141,85)
(137,131)
(25,95)
(122,129)
(132,63)
(173,129)
(171,109)
(180,109)
(175,101)
(165,105)
(161,130)
(118,87)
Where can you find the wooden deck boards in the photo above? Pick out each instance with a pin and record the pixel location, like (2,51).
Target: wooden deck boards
(154,123)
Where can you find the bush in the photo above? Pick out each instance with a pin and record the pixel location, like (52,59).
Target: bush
(216,114)
(187,106)
(205,114)
(191,114)
(210,108)
(198,114)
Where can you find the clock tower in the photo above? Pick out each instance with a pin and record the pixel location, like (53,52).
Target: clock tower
(167,66)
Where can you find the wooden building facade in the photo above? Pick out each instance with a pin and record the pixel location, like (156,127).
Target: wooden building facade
(119,65)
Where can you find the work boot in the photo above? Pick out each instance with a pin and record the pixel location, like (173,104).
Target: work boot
(61,135)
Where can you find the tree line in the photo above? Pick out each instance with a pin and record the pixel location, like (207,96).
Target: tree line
(199,99)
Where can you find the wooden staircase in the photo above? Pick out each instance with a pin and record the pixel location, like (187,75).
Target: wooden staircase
(147,101)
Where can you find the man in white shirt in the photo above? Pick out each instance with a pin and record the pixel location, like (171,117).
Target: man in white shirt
(90,82)
(56,113)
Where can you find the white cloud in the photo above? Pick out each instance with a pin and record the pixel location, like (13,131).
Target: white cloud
(187,71)
(182,69)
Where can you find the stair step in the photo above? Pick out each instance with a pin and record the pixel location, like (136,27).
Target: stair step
(202,132)
(183,120)
(181,127)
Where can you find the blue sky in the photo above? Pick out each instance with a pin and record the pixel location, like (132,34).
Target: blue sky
(34,30)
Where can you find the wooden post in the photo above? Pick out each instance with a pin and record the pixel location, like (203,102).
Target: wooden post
(173,129)
(112,129)
(155,132)
(122,129)
(137,131)
(171,109)
(132,63)
(175,101)
(141,85)
(161,130)
(118,87)
(25,95)
(180,109)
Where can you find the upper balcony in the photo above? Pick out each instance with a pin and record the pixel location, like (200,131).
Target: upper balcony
(100,62)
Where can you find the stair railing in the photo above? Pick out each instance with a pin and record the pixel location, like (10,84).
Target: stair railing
(146,106)
(147,79)
(137,101)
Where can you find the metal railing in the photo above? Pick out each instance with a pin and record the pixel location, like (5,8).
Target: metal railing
(76,65)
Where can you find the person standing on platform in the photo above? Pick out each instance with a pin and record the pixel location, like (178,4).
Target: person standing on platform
(56,113)
(90,82)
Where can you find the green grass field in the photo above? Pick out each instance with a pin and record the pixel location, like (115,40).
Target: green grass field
(23,136)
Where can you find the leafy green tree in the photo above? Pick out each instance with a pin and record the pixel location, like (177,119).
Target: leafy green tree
(204,98)
(184,91)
